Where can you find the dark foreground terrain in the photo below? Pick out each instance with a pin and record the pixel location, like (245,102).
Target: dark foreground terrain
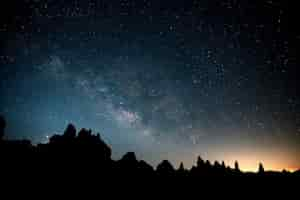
(85,159)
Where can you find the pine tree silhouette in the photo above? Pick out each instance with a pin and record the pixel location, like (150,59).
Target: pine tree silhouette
(261,169)
(236,167)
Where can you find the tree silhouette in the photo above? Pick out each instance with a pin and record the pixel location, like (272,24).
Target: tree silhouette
(181,167)
(261,169)
(217,165)
(236,166)
(223,165)
(200,162)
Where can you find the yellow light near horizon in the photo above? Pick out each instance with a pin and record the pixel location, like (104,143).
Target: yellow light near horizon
(251,164)
(248,157)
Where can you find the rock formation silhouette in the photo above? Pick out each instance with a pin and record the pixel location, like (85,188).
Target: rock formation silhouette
(87,155)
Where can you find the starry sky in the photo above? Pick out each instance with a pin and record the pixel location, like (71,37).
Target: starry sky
(166,79)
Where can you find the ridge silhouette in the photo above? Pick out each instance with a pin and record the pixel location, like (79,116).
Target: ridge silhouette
(87,155)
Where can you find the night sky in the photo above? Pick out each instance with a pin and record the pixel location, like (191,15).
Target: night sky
(165,79)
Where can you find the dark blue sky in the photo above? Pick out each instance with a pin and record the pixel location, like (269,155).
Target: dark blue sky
(168,80)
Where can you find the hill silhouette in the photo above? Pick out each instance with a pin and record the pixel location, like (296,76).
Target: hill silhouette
(86,155)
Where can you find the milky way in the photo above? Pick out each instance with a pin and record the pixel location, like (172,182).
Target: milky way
(167,80)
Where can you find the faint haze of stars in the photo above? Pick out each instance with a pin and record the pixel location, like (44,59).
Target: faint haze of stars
(169,79)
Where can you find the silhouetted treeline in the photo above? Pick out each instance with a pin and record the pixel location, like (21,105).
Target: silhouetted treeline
(84,154)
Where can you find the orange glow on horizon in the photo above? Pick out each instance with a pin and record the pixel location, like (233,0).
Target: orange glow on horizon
(249,163)
(248,159)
